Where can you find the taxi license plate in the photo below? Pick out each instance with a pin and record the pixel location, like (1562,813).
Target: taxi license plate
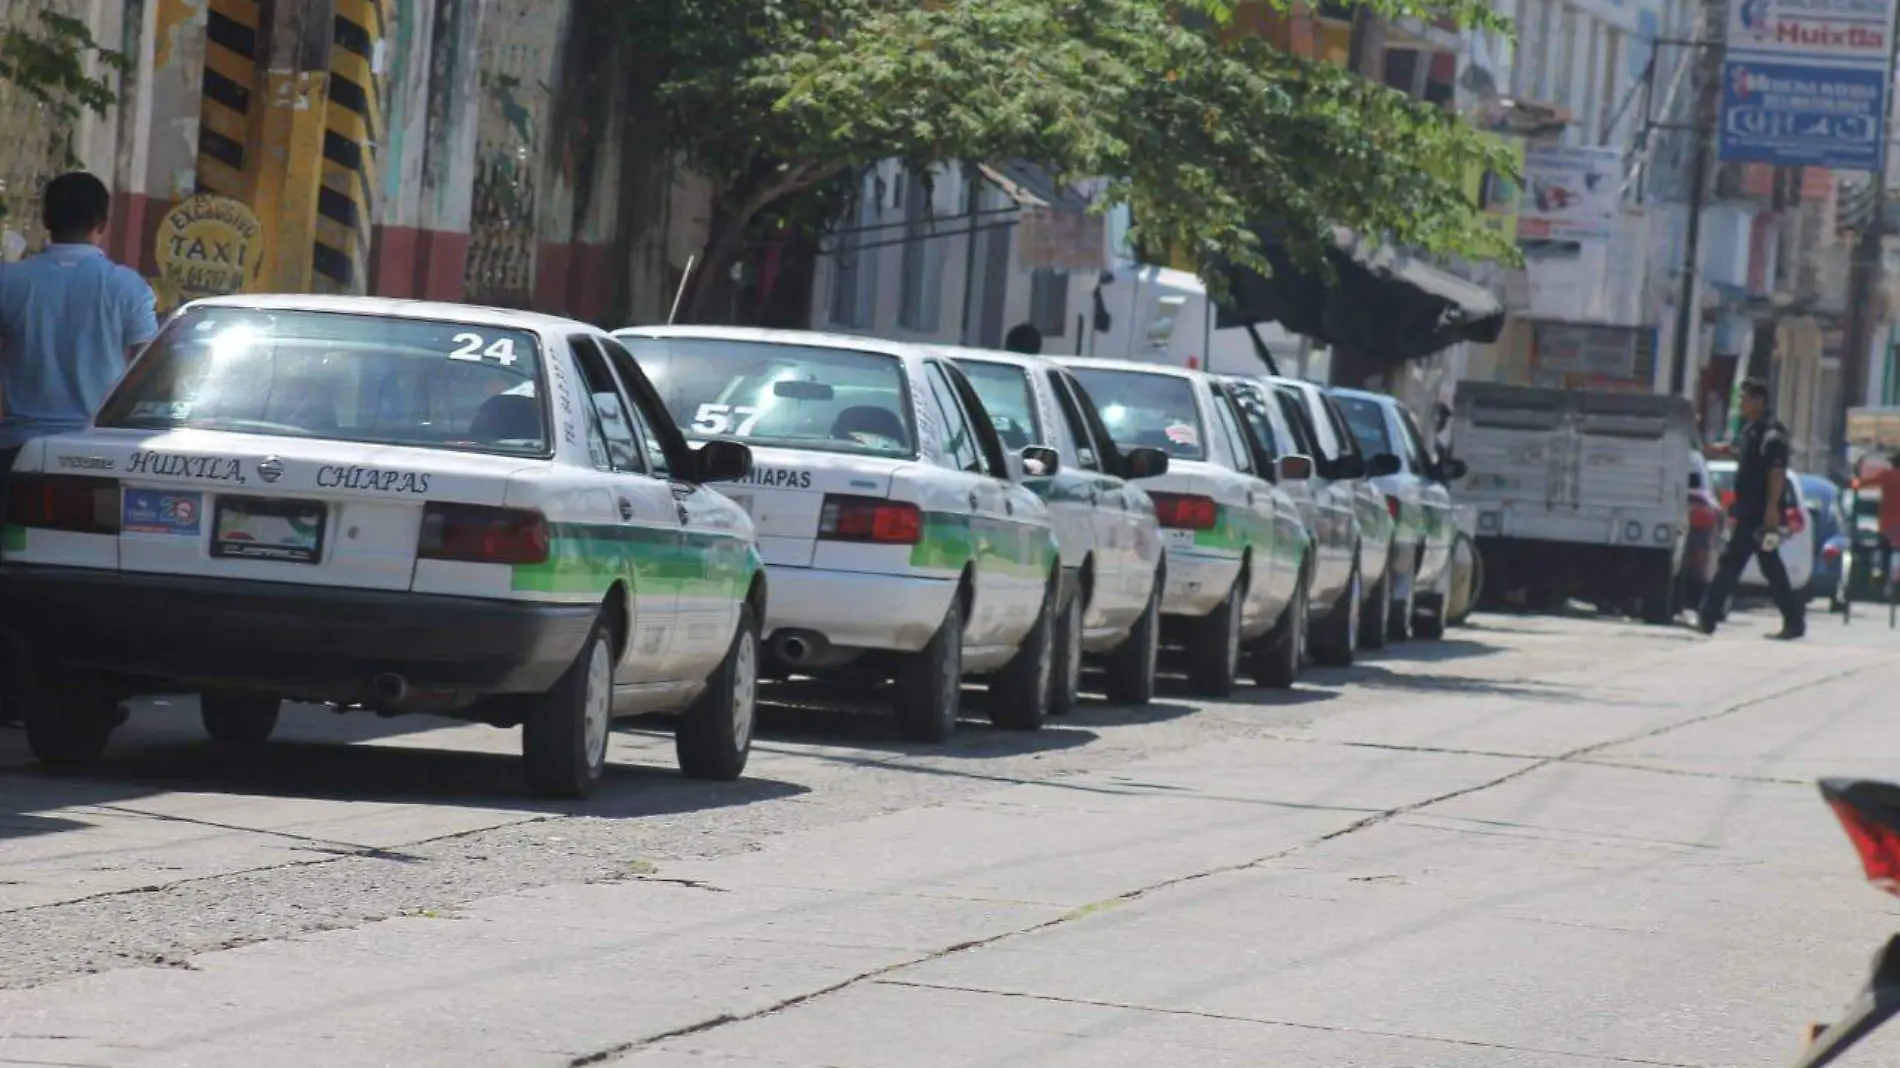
(258,528)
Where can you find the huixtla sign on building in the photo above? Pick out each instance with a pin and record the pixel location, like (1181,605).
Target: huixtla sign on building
(207,246)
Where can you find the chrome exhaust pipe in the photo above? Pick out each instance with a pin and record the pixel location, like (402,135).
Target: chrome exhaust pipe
(792,649)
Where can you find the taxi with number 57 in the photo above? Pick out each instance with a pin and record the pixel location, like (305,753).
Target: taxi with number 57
(393,506)
(898,545)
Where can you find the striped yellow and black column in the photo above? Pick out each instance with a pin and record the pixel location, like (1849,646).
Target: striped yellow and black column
(353,126)
(227,153)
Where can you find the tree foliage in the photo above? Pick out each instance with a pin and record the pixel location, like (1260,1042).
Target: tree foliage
(50,62)
(1206,133)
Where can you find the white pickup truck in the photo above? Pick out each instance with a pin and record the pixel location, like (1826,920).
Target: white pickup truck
(1577,493)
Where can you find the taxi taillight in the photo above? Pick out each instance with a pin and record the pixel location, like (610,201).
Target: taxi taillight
(74,503)
(1185,511)
(478,534)
(846,518)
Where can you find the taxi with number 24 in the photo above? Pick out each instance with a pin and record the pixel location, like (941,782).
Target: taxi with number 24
(387,505)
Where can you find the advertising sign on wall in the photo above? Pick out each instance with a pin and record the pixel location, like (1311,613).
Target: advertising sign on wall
(1587,356)
(1805,82)
(1570,194)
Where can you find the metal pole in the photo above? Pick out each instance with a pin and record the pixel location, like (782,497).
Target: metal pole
(969,266)
(1708,71)
(1649,116)
(1863,273)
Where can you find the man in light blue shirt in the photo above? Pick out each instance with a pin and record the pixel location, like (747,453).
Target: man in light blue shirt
(70,320)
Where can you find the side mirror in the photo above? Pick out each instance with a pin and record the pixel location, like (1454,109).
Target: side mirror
(1349,467)
(1451,469)
(1382,465)
(1144,462)
(1294,468)
(1040,461)
(720,460)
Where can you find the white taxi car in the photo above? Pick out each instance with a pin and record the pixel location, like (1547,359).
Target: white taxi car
(392,505)
(1105,525)
(897,543)
(1419,501)
(1239,557)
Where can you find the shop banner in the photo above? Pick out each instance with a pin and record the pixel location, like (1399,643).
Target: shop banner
(1805,83)
(1570,194)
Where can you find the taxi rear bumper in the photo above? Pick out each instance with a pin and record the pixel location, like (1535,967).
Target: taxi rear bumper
(856,609)
(320,643)
(1197,582)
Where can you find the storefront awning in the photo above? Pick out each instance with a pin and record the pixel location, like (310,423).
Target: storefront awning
(1383,304)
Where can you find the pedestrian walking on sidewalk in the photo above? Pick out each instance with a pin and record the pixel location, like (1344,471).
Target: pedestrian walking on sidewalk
(70,320)
(1755,519)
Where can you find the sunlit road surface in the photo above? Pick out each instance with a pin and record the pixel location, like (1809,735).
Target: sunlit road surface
(1545,842)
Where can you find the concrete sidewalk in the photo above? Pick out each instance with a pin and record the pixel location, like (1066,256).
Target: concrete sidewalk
(1625,865)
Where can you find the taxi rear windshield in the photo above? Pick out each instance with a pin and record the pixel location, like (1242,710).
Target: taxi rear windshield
(339,377)
(1147,410)
(1367,422)
(795,396)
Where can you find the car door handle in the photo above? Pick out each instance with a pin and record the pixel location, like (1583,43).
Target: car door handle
(626,508)
(1009,507)
(973,501)
(681,509)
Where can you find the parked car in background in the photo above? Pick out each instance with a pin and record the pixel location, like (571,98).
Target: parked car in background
(1327,505)
(1105,524)
(897,544)
(394,505)
(1823,505)
(1313,412)
(1708,532)
(1239,559)
(1419,501)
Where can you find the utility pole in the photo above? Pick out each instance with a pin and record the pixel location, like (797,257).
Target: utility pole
(289,135)
(1863,275)
(1708,82)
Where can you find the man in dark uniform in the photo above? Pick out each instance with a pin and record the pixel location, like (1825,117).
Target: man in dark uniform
(1754,520)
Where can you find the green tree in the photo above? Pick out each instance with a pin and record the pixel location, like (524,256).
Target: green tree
(49,62)
(1203,132)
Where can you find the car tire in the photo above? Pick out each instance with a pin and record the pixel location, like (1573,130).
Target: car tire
(239,720)
(713,737)
(1338,636)
(1398,623)
(68,721)
(1065,675)
(1019,694)
(564,735)
(1214,651)
(930,683)
(1277,655)
(1135,662)
(1375,618)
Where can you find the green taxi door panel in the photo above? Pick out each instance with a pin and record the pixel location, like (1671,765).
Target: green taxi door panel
(643,549)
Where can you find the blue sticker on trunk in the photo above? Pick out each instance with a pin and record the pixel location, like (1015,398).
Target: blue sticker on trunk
(147,511)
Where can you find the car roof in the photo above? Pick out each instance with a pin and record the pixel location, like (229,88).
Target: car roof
(1361,394)
(399,308)
(808,338)
(1130,365)
(1024,360)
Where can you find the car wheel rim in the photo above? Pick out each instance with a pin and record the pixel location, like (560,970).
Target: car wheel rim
(1045,654)
(1072,670)
(1352,611)
(597,702)
(1233,629)
(745,690)
(950,683)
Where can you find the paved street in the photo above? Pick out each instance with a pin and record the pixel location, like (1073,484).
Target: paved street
(1547,842)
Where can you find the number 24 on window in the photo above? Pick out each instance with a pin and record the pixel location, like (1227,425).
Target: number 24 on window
(475,348)
(720,419)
